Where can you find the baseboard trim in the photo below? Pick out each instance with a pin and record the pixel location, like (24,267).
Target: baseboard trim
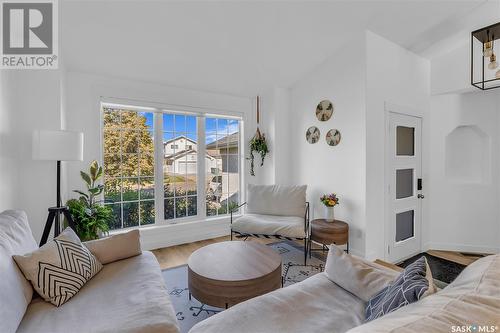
(181,233)
(356,253)
(460,248)
(372,256)
(156,237)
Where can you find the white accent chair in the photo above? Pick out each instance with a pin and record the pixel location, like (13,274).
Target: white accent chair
(274,211)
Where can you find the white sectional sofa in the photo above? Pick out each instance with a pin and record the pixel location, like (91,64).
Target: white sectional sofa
(334,301)
(127,295)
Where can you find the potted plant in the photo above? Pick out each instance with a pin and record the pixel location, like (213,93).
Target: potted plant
(330,201)
(258,144)
(90,217)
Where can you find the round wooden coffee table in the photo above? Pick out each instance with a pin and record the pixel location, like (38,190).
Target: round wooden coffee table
(224,274)
(326,233)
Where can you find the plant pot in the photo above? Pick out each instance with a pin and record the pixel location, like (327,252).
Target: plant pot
(329,214)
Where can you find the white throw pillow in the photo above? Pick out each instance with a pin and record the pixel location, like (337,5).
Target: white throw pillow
(276,200)
(356,275)
(60,268)
(116,247)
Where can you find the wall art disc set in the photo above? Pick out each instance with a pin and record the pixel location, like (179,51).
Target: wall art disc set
(324,112)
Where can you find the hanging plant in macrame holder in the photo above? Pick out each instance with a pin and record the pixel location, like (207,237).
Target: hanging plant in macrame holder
(258,145)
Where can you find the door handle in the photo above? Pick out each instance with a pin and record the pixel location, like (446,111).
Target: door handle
(420,196)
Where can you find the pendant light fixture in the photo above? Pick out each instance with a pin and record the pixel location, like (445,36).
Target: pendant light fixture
(493,62)
(484,66)
(488,49)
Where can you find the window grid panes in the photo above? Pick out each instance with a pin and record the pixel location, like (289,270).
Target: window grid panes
(222,166)
(130,147)
(180,159)
(129,166)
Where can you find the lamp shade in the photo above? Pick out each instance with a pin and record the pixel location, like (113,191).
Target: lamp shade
(57,145)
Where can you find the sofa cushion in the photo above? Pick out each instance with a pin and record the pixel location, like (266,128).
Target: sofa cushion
(126,296)
(313,305)
(276,200)
(356,275)
(116,247)
(15,290)
(473,298)
(412,284)
(60,268)
(287,226)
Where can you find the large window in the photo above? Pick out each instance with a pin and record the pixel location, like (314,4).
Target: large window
(129,166)
(153,160)
(180,165)
(222,146)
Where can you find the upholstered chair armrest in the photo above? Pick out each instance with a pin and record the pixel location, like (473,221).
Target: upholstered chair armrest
(358,276)
(116,247)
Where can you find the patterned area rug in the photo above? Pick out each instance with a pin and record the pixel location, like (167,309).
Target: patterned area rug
(191,312)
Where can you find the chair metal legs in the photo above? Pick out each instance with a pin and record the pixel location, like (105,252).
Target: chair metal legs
(305,251)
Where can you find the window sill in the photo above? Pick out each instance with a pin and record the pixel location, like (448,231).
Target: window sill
(170,234)
(179,222)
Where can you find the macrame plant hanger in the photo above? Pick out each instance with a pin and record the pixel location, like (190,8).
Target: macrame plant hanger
(258,135)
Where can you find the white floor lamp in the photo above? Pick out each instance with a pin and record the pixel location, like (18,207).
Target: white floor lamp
(57,146)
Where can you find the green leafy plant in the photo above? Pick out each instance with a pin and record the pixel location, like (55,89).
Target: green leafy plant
(90,179)
(258,144)
(90,217)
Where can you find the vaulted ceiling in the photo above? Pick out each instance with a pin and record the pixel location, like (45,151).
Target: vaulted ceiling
(239,48)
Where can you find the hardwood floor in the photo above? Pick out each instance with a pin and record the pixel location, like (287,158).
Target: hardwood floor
(458,257)
(388,265)
(178,255)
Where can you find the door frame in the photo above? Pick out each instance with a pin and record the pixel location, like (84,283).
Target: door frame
(405,111)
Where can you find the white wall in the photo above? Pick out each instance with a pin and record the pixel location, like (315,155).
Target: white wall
(399,77)
(282,153)
(84,92)
(32,101)
(275,123)
(264,174)
(29,100)
(450,57)
(464,212)
(450,72)
(323,168)
(8,170)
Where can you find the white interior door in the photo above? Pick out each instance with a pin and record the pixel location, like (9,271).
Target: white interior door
(404,173)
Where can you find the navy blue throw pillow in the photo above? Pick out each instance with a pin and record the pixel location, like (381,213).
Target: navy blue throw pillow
(408,287)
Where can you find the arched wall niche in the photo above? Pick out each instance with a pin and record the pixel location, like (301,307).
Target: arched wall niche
(467,155)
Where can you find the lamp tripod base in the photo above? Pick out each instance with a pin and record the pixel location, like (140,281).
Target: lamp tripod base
(54,214)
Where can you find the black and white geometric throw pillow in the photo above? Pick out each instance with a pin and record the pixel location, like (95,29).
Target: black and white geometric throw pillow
(414,283)
(60,268)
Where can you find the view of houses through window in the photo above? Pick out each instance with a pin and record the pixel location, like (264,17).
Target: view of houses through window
(129,165)
(180,165)
(222,165)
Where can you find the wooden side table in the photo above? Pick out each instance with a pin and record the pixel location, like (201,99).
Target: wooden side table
(326,233)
